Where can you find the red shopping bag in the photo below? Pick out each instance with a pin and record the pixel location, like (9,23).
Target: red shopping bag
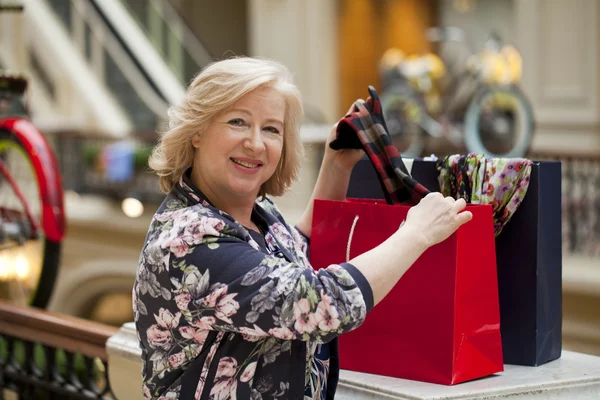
(441,322)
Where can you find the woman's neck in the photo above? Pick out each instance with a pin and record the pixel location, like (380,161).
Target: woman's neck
(242,213)
(237,207)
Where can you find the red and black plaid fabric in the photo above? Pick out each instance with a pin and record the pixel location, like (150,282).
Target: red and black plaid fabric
(365,128)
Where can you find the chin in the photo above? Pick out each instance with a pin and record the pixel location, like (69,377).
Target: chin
(244,190)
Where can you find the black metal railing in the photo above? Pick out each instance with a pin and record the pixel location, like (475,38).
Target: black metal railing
(581,206)
(93,164)
(580,201)
(49,356)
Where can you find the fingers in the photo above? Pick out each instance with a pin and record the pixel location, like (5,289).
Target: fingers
(459,205)
(434,196)
(456,205)
(351,109)
(464,217)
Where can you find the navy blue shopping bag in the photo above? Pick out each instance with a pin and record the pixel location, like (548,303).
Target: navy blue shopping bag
(528,256)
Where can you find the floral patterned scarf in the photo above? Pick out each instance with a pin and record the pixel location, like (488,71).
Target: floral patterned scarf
(501,182)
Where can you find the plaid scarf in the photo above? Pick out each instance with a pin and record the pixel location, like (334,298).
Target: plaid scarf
(365,128)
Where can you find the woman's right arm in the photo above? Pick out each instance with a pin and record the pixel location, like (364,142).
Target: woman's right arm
(222,283)
(225,284)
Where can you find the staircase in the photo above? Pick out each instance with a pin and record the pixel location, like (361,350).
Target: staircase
(166,31)
(112,66)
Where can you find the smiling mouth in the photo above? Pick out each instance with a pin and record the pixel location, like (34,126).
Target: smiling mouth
(245,164)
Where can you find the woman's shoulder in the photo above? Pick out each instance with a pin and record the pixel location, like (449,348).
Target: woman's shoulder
(279,225)
(181,217)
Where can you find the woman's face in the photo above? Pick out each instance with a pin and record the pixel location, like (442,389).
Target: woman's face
(241,149)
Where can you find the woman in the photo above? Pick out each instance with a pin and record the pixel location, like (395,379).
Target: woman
(226,303)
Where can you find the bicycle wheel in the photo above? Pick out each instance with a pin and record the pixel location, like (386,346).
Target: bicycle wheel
(499,123)
(28,259)
(404,113)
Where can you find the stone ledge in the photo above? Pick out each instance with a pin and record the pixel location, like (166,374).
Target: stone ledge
(574,376)
(125,344)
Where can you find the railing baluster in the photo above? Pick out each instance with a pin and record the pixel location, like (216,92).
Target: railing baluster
(51,372)
(27,371)
(596,184)
(107,390)
(571,213)
(38,361)
(588,207)
(13,350)
(71,374)
(89,381)
(60,375)
(3,363)
(28,357)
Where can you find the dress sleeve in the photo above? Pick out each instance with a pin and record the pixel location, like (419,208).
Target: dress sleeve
(223,283)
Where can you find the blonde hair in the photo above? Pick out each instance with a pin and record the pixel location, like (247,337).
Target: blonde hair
(216,87)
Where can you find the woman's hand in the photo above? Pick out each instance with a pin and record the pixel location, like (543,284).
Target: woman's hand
(344,159)
(436,217)
(334,178)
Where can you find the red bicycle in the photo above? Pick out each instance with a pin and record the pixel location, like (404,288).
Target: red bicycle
(32,217)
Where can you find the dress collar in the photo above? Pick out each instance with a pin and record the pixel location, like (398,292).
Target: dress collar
(193,195)
(184,187)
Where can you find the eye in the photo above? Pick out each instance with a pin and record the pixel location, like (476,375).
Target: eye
(237,122)
(272,129)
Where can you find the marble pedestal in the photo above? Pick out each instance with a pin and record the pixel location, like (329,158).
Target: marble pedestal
(574,376)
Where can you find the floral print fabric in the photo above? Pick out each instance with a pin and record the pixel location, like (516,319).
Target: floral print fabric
(318,371)
(219,319)
(501,182)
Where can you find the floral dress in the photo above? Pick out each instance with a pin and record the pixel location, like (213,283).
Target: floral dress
(218,317)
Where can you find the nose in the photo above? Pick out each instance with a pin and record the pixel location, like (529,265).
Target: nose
(254,142)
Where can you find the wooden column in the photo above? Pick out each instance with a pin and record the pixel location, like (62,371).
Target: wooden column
(367,28)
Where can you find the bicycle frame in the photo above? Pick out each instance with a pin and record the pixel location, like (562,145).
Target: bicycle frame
(46,168)
(13,184)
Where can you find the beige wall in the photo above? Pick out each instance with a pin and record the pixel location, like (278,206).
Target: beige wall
(560,40)
(301,35)
(485,17)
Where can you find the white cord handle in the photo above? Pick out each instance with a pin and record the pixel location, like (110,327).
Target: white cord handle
(352,234)
(350,238)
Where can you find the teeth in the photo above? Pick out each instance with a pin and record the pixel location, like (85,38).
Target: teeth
(245,164)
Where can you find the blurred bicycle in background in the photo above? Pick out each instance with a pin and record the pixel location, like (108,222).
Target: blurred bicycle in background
(471,99)
(32,218)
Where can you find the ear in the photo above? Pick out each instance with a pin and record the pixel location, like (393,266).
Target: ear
(196,140)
